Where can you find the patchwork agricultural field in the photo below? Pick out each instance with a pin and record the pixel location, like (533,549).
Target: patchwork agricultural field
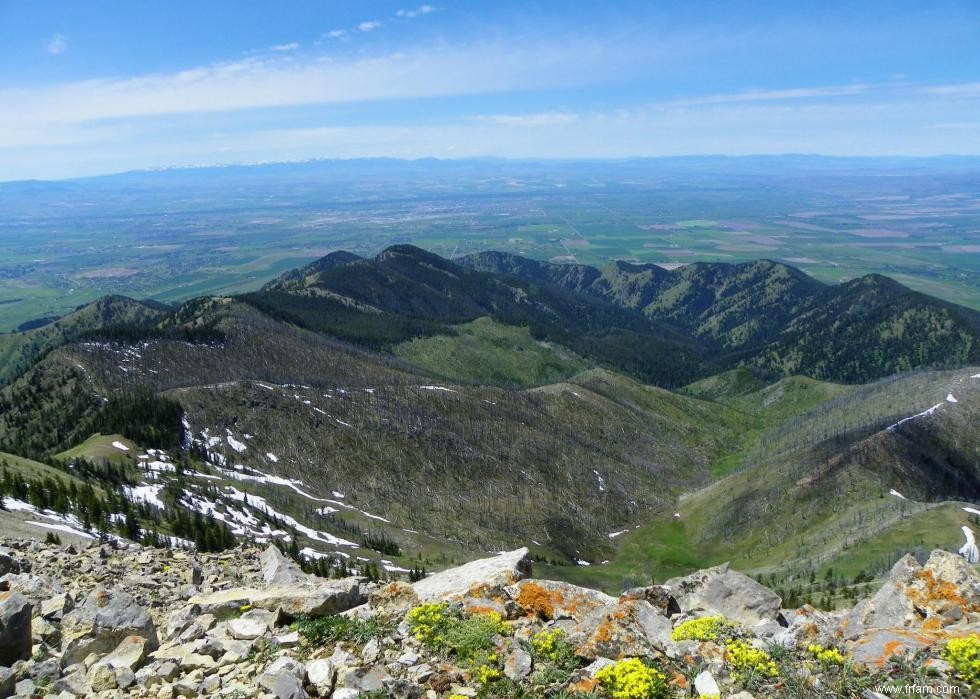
(178,234)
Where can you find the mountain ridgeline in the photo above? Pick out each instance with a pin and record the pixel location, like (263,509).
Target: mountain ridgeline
(772,316)
(428,410)
(662,327)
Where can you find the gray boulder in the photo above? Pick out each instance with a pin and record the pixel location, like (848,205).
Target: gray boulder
(724,591)
(284,679)
(8,564)
(631,628)
(15,628)
(940,592)
(314,598)
(279,570)
(504,569)
(101,622)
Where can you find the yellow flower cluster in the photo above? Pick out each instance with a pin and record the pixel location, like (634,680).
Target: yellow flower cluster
(546,644)
(748,661)
(631,679)
(707,628)
(487,674)
(425,619)
(827,656)
(963,655)
(496,622)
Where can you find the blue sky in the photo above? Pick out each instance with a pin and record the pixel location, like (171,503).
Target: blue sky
(95,87)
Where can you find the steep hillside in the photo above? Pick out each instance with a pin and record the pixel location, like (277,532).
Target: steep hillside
(406,292)
(773,316)
(18,350)
(839,475)
(872,327)
(478,465)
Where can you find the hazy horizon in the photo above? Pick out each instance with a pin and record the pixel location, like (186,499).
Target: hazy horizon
(100,89)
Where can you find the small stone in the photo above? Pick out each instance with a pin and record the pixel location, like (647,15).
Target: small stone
(101,678)
(130,654)
(705,685)
(371,651)
(517,666)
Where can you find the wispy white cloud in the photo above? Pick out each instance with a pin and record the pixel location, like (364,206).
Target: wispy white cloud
(56,45)
(335,34)
(776,95)
(292,46)
(369,26)
(420,10)
(540,119)
(261,82)
(953,90)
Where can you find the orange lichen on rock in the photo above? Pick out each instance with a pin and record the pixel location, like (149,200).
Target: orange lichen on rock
(933,623)
(604,631)
(934,590)
(585,686)
(535,599)
(679,681)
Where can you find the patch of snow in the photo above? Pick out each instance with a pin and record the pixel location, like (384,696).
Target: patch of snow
(613,535)
(897,494)
(120,446)
(312,553)
(272,457)
(438,388)
(969,549)
(326,510)
(583,563)
(971,510)
(260,504)
(61,528)
(235,444)
(378,517)
(950,398)
(270,480)
(159,466)
(337,494)
(930,411)
(145,493)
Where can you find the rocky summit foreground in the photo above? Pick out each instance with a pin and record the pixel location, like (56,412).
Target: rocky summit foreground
(122,620)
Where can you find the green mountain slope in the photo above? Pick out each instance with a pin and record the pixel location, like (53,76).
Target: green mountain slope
(830,486)
(488,352)
(562,465)
(18,350)
(773,316)
(406,292)
(872,327)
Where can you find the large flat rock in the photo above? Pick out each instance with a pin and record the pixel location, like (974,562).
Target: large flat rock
(300,599)
(504,569)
